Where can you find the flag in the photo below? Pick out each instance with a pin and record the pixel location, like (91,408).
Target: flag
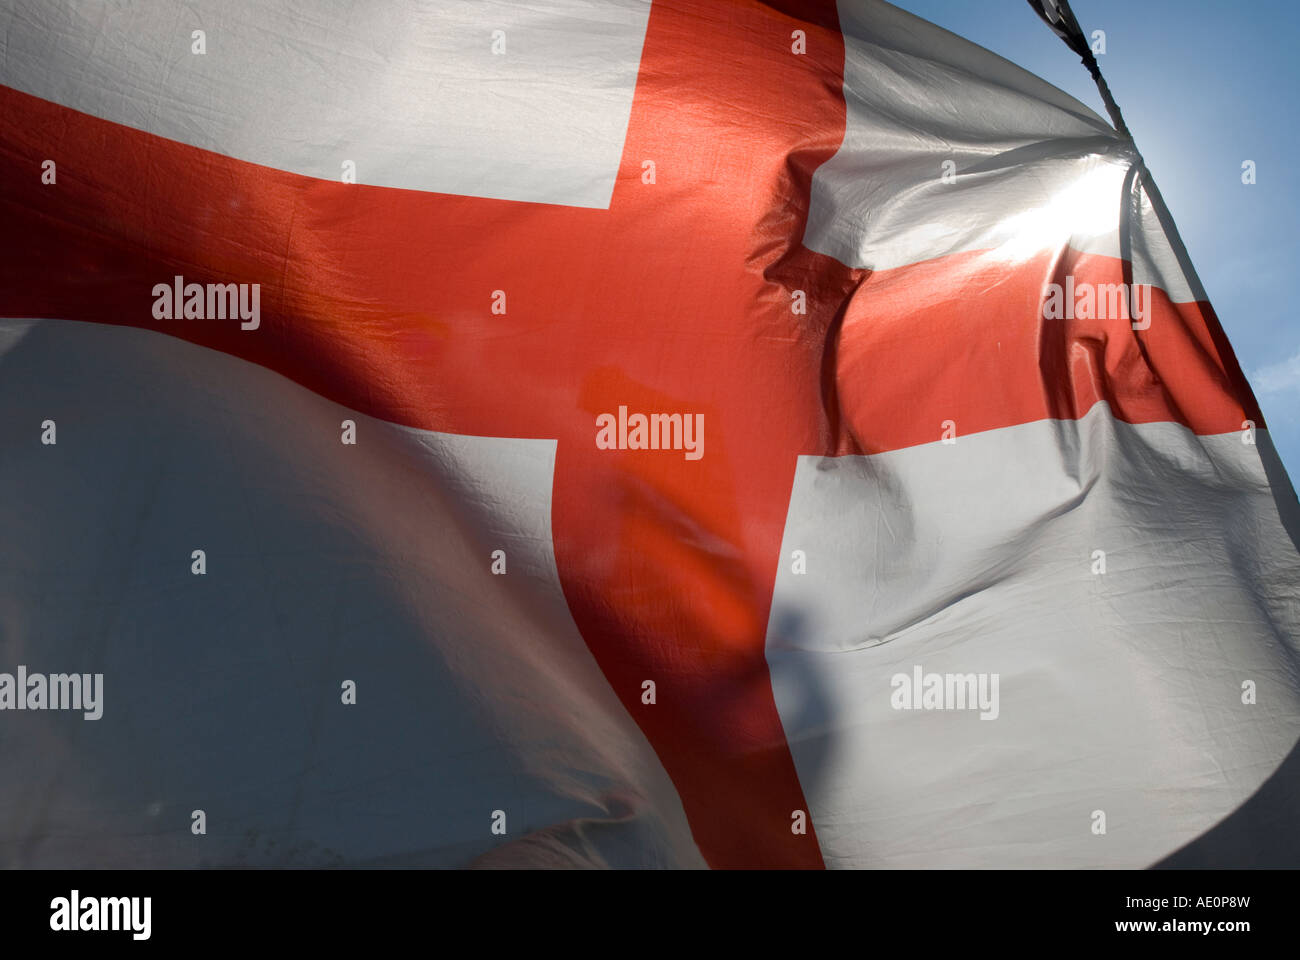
(614,434)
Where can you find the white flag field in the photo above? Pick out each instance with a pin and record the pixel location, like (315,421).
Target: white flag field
(620,434)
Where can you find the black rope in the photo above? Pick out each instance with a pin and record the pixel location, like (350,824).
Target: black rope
(1062,21)
(1116,116)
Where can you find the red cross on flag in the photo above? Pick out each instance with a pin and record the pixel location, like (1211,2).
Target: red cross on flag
(613,433)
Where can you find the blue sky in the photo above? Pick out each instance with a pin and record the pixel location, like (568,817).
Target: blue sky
(1204,85)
